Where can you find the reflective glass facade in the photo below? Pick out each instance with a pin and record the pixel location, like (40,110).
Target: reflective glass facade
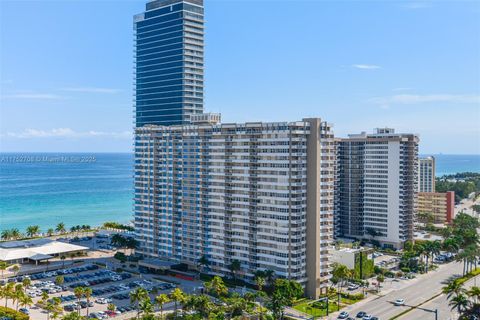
(169,62)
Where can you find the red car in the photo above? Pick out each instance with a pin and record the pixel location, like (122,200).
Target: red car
(111,313)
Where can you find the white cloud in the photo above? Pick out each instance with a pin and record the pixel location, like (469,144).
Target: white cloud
(385,102)
(91,90)
(64,133)
(34,96)
(366,66)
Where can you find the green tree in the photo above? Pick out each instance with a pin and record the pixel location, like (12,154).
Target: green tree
(459,302)
(60,228)
(137,296)
(474,292)
(146,306)
(79,292)
(15,268)
(453,288)
(87,292)
(203,262)
(234,267)
(380,279)
(260,282)
(59,280)
(178,297)
(161,300)
(32,231)
(25,301)
(3,267)
(72,316)
(216,286)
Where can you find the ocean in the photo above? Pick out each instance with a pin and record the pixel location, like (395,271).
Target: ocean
(77,189)
(454,163)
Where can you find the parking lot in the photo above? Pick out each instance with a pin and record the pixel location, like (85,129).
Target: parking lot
(107,287)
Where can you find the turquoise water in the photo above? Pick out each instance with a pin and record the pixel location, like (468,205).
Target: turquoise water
(77,189)
(453,163)
(46,189)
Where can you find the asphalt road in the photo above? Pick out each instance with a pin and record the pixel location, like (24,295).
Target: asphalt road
(415,292)
(441,304)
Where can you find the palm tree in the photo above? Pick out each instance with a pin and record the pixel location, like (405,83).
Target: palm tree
(78,292)
(270,276)
(32,231)
(8,291)
(453,288)
(25,301)
(26,283)
(177,296)
(459,302)
(474,292)
(3,267)
(146,306)
(202,305)
(62,257)
(50,232)
(17,294)
(60,228)
(217,287)
(44,297)
(161,300)
(6,234)
(203,262)
(137,296)
(59,280)
(260,282)
(72,316)
(234,267)
(15,269)
(87,292)
(451,245)
(15,233)
(111,307)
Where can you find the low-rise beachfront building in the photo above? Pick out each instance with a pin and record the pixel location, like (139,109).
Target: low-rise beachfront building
(355,259)
(436,207)
(36,250)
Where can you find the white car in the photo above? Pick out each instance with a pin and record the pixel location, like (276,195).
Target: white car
(399,302)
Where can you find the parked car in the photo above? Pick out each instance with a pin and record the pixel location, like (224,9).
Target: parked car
(343,315)
(24,311)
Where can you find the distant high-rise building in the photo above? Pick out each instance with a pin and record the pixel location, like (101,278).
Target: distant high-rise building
(259,193)
(377,186)
(426,174)
(168,62)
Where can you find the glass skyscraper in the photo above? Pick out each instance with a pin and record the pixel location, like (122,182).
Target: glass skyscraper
(168,62)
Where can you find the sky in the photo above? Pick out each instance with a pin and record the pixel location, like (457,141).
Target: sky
(66,69)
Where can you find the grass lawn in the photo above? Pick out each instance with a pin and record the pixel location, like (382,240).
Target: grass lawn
(319,309)
(308,308)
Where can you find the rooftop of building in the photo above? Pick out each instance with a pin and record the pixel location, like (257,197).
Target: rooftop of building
(210,121)
(36,249)
(155,4)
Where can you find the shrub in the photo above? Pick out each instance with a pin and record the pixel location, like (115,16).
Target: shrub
(10,313)
(120,256)
(356,296)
